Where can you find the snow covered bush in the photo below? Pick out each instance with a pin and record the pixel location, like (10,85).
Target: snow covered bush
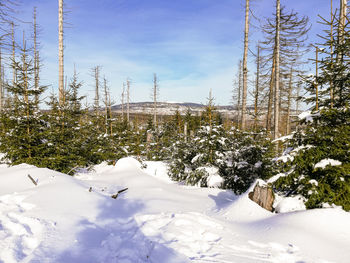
(239,157)
(319,169)
(248,157)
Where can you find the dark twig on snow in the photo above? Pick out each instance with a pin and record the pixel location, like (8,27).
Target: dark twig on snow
(119,192)
(32,179)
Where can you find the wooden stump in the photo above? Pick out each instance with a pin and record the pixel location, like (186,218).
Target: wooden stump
(263,196)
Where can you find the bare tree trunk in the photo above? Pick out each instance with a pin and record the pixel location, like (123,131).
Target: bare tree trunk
(13,54)
(26,93)
(256,95)
(110,112)
(210,117)
(245,69)
(271,94)
(36,58)
(128,100)
(342,19)
(297,101)
(316,81)
(332,39)
(1,83)
(4,97)
(123,95)
(155,95)
(96,71)
(239,93)
(60,53)
(289,100)
(14,72)
(277,71)
(106,104)
(341,29)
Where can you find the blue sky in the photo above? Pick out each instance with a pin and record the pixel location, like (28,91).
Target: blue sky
(192,45)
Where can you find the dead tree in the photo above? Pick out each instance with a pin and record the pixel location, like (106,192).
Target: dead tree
(245,69)
(96,73)
(289,101)
(257,87)
(155,97)
(1,82)
(36,55)
(128,100)
(60,53)
(292,37)
(105,89)
(14,71)
(277,71)
(110,111)
(331,49)
(123,96)
(236,93)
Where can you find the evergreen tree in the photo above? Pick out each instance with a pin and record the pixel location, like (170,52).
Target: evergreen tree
(326,133)
(22,140)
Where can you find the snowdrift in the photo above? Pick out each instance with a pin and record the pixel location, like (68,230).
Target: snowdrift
(74,219)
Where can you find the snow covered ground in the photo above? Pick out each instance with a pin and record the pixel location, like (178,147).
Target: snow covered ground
(155,220)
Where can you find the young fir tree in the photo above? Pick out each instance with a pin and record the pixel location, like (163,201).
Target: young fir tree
(248,156)
(23,139)
(190,160)
(66,134)
(319,166)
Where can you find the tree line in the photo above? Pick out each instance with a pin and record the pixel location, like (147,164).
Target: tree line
(68,134)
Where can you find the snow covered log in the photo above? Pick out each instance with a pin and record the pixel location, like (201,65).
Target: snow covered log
(263,196)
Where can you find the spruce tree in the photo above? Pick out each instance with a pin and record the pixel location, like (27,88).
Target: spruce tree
(319,165)
(23,137)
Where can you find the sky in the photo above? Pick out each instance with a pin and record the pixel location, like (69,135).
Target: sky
(192,45)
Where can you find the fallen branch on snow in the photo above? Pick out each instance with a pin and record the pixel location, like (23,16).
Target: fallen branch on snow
(119,192)
(32,179)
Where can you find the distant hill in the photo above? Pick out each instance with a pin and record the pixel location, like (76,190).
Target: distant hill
(169,108)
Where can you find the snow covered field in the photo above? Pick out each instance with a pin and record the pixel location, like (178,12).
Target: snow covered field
(155,220)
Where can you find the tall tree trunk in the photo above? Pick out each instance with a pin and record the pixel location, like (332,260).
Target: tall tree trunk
(277,71)
(36,58)
(210,118)
(155,95)
(332,39)
(123,95)
(14,72)
(26,93)
(110,112)
(271,94)
(97,93)
(290,87)
(256,94)
(297,101)
(1,83)
(316,81)
(245,69)
(341,29)
(60,53)
(239,101)
(128,100)
(106,104)
(13,54)
(342,18)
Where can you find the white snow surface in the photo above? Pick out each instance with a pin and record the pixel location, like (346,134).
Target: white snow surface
(323,163)
(289,204)
(60,220)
